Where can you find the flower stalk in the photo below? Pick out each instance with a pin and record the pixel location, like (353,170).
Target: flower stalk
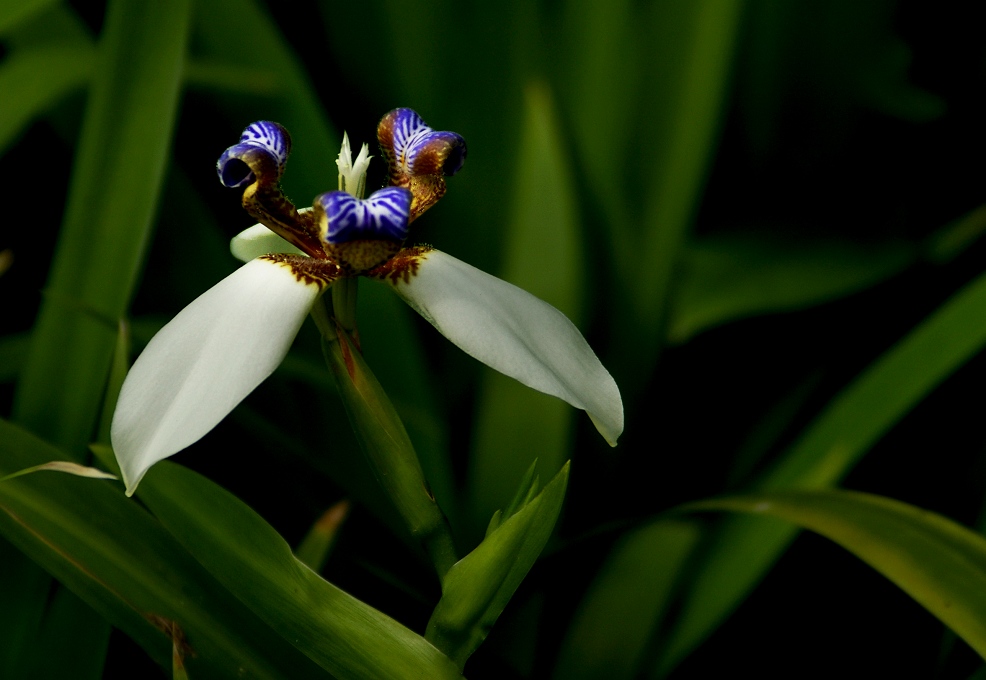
(388,448)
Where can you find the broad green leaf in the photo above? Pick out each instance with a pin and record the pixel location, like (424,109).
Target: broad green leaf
(617,618)
(939,563)
(479,586)
(725,278)
(119,161)
(116,179)
(346,637)
(33,80)
(744,548)
(119,560)
(543,255)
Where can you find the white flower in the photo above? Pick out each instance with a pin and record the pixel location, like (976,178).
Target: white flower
(227,341)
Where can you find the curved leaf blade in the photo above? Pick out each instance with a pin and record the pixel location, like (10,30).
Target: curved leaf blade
(745,548)
(938,562)
(345,636)
(121,562)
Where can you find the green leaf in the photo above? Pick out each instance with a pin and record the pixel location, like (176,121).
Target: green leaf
(122,563)
(725,278)
(479,586)
(601,76)
(33,80)
(744,548)
(616,620)
(116,180)
(512,419)
(939,563)
(690,52)
(24,589)
(344,636)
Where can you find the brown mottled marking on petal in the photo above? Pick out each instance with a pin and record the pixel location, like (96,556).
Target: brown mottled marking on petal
(358,257)
(425,192)
(402,266)
(308,270)
(265,202)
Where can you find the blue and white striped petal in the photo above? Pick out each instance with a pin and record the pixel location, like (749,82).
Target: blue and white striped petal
(413,148)
(382,216)
(509,330)
(262,152)
(208,359)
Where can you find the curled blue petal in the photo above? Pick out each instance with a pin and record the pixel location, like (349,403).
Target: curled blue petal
(384,215)
(261,153)
(413,148)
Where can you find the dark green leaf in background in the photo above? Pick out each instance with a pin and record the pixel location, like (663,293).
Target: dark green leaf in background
(939,563)
(543,252)
(744,548)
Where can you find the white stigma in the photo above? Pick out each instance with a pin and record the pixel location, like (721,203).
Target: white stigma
(352,174)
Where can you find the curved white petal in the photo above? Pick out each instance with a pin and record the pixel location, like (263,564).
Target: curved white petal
(258,240)
(512,331)
(205,361)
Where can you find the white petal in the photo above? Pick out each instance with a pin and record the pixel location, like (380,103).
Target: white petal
(205,361)
(514,332)
(258,240)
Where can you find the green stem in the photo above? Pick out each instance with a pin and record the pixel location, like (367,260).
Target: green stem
(344,303)
(384,441)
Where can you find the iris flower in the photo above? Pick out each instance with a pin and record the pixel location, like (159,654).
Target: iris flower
(228,340)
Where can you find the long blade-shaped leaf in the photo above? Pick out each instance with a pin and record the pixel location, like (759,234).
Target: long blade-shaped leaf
(681,117)
(939,563)
(116,177)
(348,638)
(120,561)
(745,548)
(730,277)
(33,80)
(116,180)
(544,219)
(616,620)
